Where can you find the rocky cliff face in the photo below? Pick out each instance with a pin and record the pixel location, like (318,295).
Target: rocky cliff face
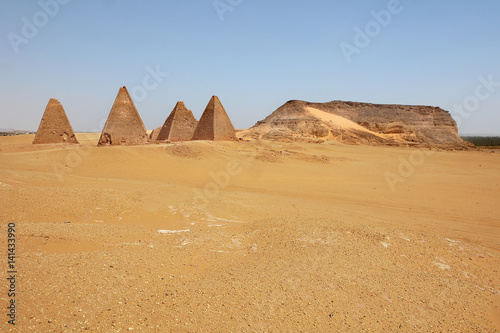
(358,123)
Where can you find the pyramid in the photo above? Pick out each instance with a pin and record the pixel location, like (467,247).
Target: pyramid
(214,124)
(179,126)
(124,125)
(154,133)
(54,126)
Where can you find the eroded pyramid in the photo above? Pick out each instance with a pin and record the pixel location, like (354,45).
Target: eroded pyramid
(214,124)
(179,126)
(124,125)
(54,126)
(154,133)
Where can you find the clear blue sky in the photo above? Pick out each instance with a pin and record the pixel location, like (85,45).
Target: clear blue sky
(258,56)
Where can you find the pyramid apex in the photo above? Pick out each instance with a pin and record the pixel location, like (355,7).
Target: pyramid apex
(123,90)
(215,101)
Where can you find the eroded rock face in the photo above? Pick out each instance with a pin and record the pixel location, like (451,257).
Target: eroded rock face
(358,123)
(54,126)
(124,125)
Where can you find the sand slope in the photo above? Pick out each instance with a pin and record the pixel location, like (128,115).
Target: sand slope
(255,236)
(339,122)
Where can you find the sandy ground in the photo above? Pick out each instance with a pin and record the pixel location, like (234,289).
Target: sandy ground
(250,236)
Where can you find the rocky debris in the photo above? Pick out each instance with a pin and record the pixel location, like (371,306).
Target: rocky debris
(124,125)
(361,123)
(214,124)
(54,126)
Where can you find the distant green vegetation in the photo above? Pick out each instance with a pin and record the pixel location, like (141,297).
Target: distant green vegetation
(483,141)
(11,133)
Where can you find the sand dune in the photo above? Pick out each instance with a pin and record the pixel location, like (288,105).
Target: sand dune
(252,236)
(340,122)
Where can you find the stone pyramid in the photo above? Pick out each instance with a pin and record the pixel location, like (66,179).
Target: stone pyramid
(124,125)
(214,124)
(54,126)
(179,126)
(154,133)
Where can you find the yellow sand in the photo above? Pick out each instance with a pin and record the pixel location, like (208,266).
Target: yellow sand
(251,236)
(339,121)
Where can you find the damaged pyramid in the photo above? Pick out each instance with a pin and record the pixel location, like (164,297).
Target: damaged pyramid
(54,126)
(154,133)
(214,124)
(124,125)
(179,126)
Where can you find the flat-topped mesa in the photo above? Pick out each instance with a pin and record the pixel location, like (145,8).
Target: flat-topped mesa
(179,126)
(353,122)
(124,125)
(54,126)
(214,124)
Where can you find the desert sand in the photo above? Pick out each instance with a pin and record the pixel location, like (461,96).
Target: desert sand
(339,122)
(251,236)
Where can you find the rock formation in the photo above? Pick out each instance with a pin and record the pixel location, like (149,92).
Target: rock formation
(356,123)
(214,124)
(179,126)
(124,125)
(54,126)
